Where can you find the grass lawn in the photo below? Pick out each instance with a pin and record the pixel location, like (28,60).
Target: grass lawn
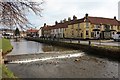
(5,45)
(7,73)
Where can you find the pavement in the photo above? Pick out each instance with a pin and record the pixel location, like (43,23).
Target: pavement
(96,42)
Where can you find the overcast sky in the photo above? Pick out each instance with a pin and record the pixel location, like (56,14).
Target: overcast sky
(56,10)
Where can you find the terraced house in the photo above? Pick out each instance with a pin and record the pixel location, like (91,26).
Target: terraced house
(85,28)
(55,31)
(46,31)
(92,28)
(58,29)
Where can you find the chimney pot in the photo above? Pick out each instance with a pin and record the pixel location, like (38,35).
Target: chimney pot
(56,22)
(44,24)
(74,17)
(86,15)
(69,19)
(115,17)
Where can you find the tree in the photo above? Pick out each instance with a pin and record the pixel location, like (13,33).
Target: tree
(14,13)
(17,32)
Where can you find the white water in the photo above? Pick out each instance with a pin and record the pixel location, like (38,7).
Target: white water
(49,58)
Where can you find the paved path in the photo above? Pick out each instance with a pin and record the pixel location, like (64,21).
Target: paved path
(97,42)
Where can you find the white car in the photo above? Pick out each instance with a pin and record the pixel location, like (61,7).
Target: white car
(117,37)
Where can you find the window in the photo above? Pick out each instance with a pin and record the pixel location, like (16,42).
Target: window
(111,27)
(118,27)
(92,34)
(81,34)
(87,33)
(107,28)
(97,26)
(78,34)
(72,26)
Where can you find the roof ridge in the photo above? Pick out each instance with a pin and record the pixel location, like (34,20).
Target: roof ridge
(102,18)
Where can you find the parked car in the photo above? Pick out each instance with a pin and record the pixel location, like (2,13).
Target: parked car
(117,36)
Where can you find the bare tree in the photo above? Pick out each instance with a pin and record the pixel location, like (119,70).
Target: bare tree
(14,13)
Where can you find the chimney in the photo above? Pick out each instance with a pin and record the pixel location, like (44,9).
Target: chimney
(86,15)
(44,24)
(115,17)
(69,19)
(56,22)
(64,20)
(74,17)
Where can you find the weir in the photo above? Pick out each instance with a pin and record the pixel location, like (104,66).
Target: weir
(27,58)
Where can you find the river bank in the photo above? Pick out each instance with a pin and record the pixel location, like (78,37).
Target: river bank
(5,48)
(52,61)
(103,51)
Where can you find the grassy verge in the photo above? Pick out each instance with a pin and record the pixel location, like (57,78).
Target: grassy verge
(7,73)
(5,45)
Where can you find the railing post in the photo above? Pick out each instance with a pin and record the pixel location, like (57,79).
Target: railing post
(78,41)
(70,40)
(89,43)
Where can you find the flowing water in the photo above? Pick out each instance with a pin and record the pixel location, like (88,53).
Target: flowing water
(36,60)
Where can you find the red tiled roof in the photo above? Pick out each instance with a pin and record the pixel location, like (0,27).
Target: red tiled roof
(93,20)
(61,25)
(99,20)
(46,28)
(57,26)
(76,21)
(32,30)
(96,20)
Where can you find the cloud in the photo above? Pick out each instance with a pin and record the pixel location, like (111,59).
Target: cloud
(60,9)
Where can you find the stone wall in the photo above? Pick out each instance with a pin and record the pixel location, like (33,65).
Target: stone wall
(1,60)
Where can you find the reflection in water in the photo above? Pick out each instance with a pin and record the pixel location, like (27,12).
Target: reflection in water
(86,66)
(30,47)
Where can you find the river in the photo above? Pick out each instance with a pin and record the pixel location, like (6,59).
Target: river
(58,62)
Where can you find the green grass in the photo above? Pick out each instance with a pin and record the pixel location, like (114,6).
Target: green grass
(7,74)
(5,45)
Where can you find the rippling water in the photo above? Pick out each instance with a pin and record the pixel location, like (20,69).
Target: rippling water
(58,62)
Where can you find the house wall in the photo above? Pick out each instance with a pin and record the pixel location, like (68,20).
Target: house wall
(118,28)
(47,33)
(72,30)
(40,32)
(75,31)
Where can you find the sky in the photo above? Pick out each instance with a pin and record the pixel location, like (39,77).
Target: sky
(56,10)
